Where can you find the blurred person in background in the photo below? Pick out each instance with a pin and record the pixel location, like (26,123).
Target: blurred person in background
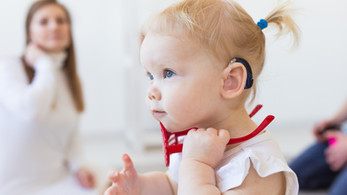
(323,164)
(40,103)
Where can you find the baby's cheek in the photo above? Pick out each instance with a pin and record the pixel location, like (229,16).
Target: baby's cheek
(180,108)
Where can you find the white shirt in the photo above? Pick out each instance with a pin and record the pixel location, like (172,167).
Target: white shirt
(262,151)
(39,143)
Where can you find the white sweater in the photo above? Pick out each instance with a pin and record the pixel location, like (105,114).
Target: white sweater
(39,143)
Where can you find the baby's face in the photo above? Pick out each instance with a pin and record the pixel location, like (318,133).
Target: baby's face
(185,82)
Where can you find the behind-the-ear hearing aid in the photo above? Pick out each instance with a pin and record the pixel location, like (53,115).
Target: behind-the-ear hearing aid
(249,81)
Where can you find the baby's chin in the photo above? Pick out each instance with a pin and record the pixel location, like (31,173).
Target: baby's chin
(174,128)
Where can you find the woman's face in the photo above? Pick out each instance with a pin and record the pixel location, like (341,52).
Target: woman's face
(50,29)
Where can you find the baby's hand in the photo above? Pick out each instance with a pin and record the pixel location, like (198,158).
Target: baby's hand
(125,182)
(206,146)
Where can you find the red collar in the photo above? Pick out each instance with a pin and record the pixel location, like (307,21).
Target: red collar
(171,145)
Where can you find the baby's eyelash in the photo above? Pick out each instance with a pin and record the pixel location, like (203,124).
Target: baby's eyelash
(168,73)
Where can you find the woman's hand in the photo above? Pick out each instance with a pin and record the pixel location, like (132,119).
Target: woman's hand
(85,178)
(125,182)
(32,53)
(336,154)
(206,146)
(317,130)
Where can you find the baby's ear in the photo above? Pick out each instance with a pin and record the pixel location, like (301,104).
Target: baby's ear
(234,80)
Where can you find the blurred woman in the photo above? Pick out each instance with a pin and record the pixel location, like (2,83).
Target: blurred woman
(40,103)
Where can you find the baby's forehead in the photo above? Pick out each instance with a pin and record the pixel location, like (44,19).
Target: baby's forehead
(167,48)
(169,43)
(184,37)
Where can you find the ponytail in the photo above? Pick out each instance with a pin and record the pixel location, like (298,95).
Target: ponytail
(281,18)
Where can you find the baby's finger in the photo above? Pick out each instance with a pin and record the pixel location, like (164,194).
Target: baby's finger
(191,131)
(224,134)
(211,131)
(128,163)
(113,176)
(200,130)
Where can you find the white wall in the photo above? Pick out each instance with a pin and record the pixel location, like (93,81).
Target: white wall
(298,87)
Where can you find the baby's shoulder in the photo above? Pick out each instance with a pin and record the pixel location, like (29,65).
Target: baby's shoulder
(260,148)
(260,156)
(254,184)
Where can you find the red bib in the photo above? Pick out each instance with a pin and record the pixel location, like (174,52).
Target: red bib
(171,145)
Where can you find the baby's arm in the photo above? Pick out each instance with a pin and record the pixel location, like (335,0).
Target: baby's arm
(128,182)
(202,151)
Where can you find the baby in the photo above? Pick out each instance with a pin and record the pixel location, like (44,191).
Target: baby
(203,58)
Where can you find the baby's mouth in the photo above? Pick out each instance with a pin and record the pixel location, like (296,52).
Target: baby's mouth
(158,113)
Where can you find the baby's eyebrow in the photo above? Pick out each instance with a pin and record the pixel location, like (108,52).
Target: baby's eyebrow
(159,64)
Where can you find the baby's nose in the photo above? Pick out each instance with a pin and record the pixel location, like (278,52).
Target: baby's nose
(153,93)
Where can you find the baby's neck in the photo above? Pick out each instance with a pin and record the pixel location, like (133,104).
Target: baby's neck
(237,123)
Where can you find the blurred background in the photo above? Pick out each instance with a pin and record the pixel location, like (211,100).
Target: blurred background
(299,86)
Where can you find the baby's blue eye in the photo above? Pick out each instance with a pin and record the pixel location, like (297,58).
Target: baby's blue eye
(169,73)
(150,76)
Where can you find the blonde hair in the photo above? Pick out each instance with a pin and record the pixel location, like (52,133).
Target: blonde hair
(224,28)
(70,68)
